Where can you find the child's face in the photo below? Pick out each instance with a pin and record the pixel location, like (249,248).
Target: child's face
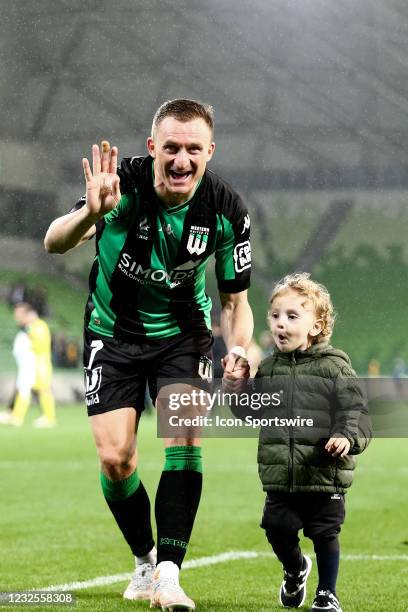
(293,321)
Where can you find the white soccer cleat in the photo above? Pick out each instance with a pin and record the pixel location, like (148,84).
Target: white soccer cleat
(7,418)
(43,423)
(167,593)
(140,585)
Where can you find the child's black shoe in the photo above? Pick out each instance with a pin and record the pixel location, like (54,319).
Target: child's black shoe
(293,588)
(325,600)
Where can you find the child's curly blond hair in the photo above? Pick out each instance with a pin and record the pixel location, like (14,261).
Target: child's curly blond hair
(314,292)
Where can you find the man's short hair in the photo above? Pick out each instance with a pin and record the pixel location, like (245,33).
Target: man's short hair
(184,110)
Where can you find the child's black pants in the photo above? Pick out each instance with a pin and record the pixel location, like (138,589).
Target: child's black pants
(320,515)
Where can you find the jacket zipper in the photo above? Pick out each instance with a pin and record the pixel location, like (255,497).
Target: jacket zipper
(336,482)
(290,412)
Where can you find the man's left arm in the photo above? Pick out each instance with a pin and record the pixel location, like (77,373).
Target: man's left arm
(237,326)
(233,271)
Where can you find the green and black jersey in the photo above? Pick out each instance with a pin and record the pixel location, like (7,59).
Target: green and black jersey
(148,277)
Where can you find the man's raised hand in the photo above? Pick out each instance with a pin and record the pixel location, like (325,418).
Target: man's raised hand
(102,183)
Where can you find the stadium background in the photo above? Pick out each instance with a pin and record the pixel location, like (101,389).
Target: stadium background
(310,99)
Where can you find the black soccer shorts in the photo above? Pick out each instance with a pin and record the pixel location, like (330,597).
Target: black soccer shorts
(319,514)
(117,372)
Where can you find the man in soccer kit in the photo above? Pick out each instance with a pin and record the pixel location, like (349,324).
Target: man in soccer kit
(157,220)
(32,352)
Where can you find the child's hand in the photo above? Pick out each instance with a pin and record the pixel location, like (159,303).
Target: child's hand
(338,447)
(235,364)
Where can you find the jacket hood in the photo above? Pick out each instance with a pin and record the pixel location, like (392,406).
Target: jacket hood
(330,351)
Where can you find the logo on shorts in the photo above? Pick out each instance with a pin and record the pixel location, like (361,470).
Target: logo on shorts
(92,384)
(335,496)
(242,256)
(205,368)
(93,380)
(93,376)
(197,240)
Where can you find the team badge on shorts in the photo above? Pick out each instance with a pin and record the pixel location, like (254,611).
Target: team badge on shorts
(93,376)
(205,368)
(92,384)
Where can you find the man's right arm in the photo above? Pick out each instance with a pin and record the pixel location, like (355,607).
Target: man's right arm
(102,196)
(70,230)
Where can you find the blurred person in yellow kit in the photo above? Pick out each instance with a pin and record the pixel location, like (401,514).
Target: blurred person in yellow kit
(32,351)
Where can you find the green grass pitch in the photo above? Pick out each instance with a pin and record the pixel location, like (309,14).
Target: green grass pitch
(55,527)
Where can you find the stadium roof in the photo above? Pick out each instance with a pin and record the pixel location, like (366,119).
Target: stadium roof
(296,84)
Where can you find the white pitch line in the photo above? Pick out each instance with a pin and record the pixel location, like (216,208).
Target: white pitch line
(373,557)
(204,562)
(193,563)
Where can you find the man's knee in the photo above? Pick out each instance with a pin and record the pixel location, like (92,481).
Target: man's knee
(182,441)
(117,462)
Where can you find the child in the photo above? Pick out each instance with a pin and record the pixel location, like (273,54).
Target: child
(305,479)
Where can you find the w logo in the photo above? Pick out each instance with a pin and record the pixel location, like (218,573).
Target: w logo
(93,376)
(205,369)
(197,240)
(93,380)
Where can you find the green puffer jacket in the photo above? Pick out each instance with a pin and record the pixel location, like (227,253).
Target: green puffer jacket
(318,383)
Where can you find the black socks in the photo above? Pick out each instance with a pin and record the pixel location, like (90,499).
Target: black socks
(177,500)
(130,505)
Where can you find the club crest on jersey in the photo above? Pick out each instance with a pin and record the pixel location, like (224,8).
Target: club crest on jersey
(242,256)
(205,368)
(197,240)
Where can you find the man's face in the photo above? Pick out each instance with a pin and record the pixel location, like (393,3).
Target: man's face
(293,321)
(181,151)
(20,316)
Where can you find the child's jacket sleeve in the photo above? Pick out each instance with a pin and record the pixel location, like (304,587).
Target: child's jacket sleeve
(352,418)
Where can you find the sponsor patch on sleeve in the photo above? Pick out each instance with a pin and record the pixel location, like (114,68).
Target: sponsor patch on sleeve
(242,256)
